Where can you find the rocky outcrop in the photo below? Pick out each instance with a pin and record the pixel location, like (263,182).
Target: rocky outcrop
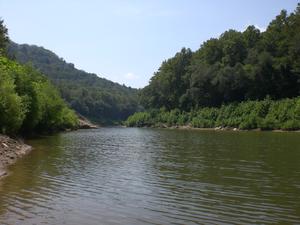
(84,123)
(10,151)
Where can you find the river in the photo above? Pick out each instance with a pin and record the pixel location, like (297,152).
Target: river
(155,176)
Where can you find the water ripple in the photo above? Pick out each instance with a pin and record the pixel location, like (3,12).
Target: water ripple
(144,176)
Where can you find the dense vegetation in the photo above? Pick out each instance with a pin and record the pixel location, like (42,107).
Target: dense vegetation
(236,67)
(28,101)
(266,114)
(96,98)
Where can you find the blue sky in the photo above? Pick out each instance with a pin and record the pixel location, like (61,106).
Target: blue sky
(126,40)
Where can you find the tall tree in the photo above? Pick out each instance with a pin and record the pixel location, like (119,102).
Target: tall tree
(236,66)
(3,38)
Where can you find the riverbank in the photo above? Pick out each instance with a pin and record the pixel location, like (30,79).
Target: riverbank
(10,151)
(84,123)
(189,127)
(248,115)
(219,128)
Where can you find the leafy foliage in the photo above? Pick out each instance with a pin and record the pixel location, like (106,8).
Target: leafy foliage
(94,97)
(266,114)
(235,67)
(12,108)
(230,81)
(29,103)
(3,38)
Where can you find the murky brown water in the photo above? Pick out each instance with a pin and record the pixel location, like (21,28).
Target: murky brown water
(152,176)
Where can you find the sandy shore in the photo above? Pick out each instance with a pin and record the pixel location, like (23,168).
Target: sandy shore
(10,151)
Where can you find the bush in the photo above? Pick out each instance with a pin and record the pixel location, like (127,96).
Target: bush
(291,125)
(139,119)
(12,109)
(29,103)
(266,114)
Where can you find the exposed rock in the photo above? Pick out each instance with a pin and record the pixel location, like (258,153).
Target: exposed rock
(10,151)
(4,145)
(84,123)
(2,173)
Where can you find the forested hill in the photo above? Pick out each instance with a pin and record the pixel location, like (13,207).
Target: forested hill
(96,98)
(29,103)
(237,66)
(243,79)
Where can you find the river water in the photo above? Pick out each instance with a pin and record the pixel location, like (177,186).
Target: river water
(155,176)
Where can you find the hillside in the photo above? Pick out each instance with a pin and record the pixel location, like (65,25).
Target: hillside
(248,79)
(96,98)
(29,103)
(237,66)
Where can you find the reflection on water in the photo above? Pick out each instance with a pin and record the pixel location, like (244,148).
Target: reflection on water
(153,176)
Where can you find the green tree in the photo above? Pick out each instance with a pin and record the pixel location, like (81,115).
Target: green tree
(235,67)
(12,109)
(3,38)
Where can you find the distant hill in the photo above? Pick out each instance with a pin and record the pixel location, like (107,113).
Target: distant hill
(97,98)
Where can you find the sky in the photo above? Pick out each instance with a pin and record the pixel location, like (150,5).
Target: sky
(126,40)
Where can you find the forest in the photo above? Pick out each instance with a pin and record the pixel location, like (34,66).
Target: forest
(247,79)
(29,103)
(96,98)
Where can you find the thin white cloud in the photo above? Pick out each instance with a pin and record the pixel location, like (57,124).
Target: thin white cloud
(131,76)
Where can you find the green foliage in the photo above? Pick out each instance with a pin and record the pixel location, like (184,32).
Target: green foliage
(205,118)
(3,38)
(169,83)
(12,108)
(139,119)
(235,67)
(267,115)
(93,97)
(230,80)
(29,103)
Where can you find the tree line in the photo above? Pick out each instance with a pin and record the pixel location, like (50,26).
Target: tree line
(236,67)
(96,98)
(28,101)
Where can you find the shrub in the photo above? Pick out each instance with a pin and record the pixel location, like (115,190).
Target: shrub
(28,102)
(266,114)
